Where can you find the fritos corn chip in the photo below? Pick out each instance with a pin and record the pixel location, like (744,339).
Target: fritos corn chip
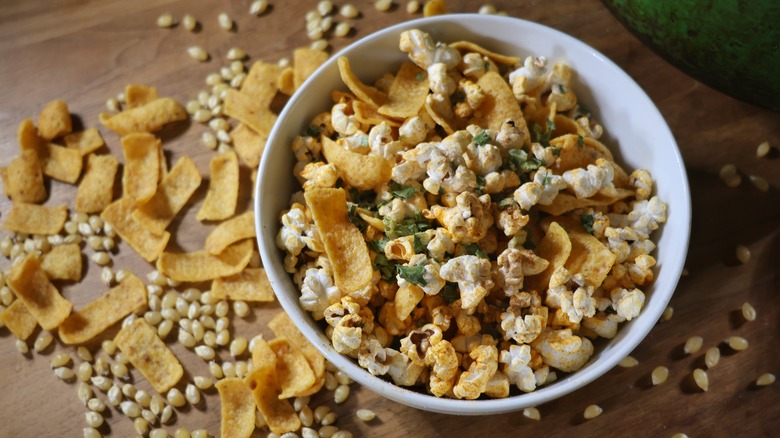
(251,284)
(468,46)
(172,194)
(249,144)
(344,244)
(145,243)
(364,92)
(499,105)
(294,375)
(360,171)
(96,189)
(287,81)
(365,113)
(555,247)
(244,108)
(305,62)
(261,83)
(282,326)
(588,256)
(150,117)
(149,354)
(407,93)
(142,161)
(564,202)
(54,120)
(139,95)
(231,231)
(63,262)
(23,179)
(35,219)
(19,320)
(41,298)
(61,163)
(86,141)
(264,383)
(105,311)
(202,266)
(238,408)
(222,197)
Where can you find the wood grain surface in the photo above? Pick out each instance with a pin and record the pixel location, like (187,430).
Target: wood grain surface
(85,51)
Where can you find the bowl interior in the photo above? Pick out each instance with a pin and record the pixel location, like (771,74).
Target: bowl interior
(634,130)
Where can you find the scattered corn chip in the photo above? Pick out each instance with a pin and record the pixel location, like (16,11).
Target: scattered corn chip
(41,298)
(249,144)
(146,118)
(263,381)
(231,231)
(364,92)
(202,266)
(246,110)
(23,179)
(282,326)
(251,284)
(222,196)
(119,216)
(19,320)
(86,141)
(139,95)
(149,354)
(142,159)
(293,373)
(238,408)
(105,311)
(407,93)
(61,163)
(172,194)
(305,62)
(363,172)
(406,299)
(63,262)
(286,81)
(35,219)
(96,189)
(54,120)
(261,83)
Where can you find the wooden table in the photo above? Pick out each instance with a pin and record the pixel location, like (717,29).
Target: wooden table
(86,51)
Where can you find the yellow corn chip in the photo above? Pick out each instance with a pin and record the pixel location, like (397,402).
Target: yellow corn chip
(293,373)
(238,408)
(251,284)
(588,255)
(96,189)
(63,262)
(555,247)
(119,216)
(578,152)
(142,161)
(249,144)
(364,92)
(105,311)
(467,46)
(565,202)
(286,81)
(28,137)
(499,105)
(246,110)
(146,118)
(407,93)
(61,163)
(446,121)
(172,194)
(139,95)
(261,83)
(363,172)
(54,120)
(222,196)
(263,382)
(35,219)
(406,299)
(344,244)
(305,62)
(23,179)
(19,320)
(86,141)
(282,326)
(369,115)
(149,355)
(231,231)
(41,298)
(202,266)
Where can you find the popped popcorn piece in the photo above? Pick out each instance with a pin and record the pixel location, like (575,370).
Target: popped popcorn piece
(562,350)
(596,179)
(401,369)
(424,52)
(473,277)
(468,220)
(483,159)
(474,65)
(343,123)
(440,82)
(627,303)
(473,381)
(641,180)
(319,174)
(433,282)
(348,334)
(373,356)
(443,363)
(416,344)
(497,386)
(647,215)
(602,325)
(381,142)
(509,136)
(414,163)
(516,368)
(641,270)
(542,190)
(522,329)
(440,243)
(515,264)
(398,209)
(357,142)
(415,130)
(617,242)
(318,292)
(307,149)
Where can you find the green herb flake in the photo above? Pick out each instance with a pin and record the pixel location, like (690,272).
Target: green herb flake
(543,135)
(556,151)
(420,76)
(364,140)
(457,97)
(580,141)
(450,292)
(482,138)
(313,131)
(385,267)
(475,250)
(355,218)
(378,245)
(407,226)
(399,191)
(587,222)
(486,65)
(506,203)
(412,274)
(418,245)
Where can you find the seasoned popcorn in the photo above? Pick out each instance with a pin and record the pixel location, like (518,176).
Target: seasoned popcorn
(471,297)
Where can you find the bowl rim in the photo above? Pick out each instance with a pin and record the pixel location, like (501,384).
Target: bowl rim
(573,381)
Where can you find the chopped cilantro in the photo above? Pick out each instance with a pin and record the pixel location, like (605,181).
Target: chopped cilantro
(531,164)
(587,222)
(418,245)
(517,157)
(313,131)
(420,76)
(385,267)
(580,141)
(546,179)
(412,274)
(399,191)
(542,136)
(355,218)
(482,138)
(364,199)
(506,202)
(561,89)
(378,245)
(475,250)
(556,152)
(610,310)
(486,65)
(450,292)
(407,226)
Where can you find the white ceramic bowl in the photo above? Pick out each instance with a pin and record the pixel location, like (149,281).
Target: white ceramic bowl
(634,130)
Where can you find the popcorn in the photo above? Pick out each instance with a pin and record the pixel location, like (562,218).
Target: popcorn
(627,303)
(468,220)
(343,123)
(318,292)
(473,277)
(516,367)
(563,350)
(474,380)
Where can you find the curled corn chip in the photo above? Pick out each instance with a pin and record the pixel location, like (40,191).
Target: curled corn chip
(63,262)
(287,81)
(96,189)
(146,118)
(407,92)
(263,382)
(172,194)
(142,161)
(282,326)
(23,179)
(366,93)
(149,354)
(86,141)
(363,172)
(139,95)
(251,284)
(368,114)
(238,408)
(143,241)
(555,247)
(245,109)
(41,298)
(54,120)
(499,105)
(202,266)
(61,163)
(231,231)
(564,202)
(305,62)
(468,46)
(588,255)
(222,196)
(261,83)
(293,373)
(35,219)
(19,320)
(249,144)
(105,311)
